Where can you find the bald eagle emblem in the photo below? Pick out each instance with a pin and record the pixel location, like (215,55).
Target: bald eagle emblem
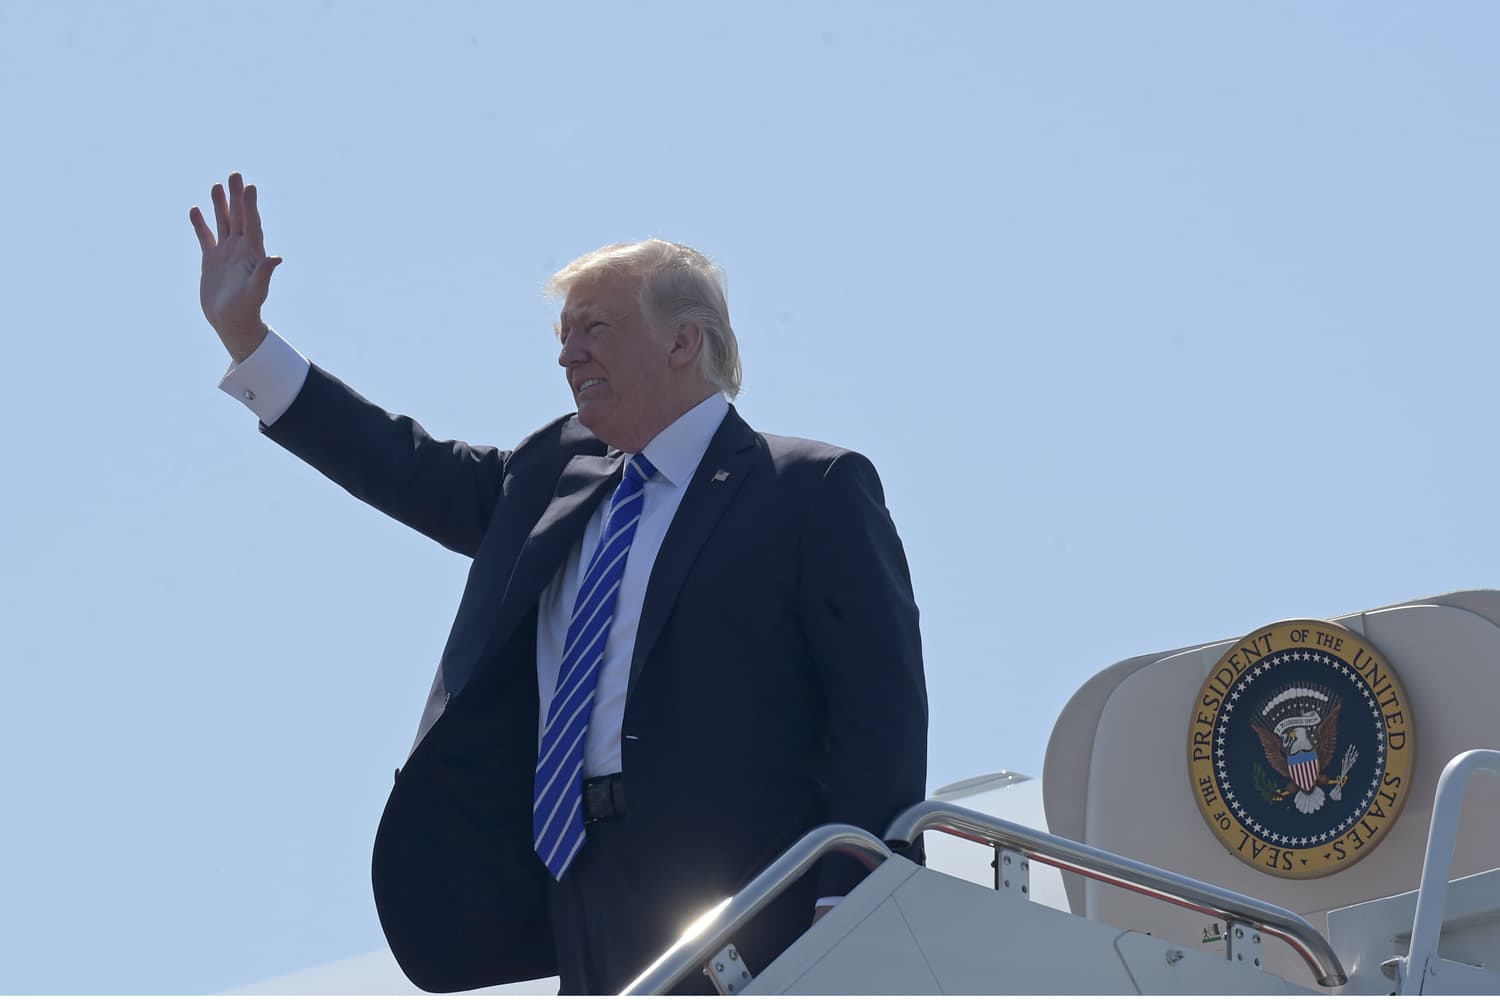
(1299,731)
(1301,748)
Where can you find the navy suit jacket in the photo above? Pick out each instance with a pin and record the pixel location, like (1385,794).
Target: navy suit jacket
(776,682)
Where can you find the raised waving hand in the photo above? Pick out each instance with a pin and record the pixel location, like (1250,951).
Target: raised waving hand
(236,271)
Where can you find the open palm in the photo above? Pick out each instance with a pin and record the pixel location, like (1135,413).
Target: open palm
(236,271)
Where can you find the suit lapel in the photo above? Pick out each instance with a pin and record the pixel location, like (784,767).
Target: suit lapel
(715,482)
(580,489)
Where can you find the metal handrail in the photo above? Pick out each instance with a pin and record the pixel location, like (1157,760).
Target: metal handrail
(1437,863)
(1125,873)
(712,930)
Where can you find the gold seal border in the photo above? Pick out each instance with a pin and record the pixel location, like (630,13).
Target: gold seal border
(1375,673)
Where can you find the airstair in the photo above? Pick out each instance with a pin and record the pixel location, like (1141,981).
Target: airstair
(1156,900)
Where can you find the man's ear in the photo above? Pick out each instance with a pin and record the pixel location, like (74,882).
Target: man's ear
(687,342)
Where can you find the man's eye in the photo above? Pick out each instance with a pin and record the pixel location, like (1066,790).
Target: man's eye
(597,324)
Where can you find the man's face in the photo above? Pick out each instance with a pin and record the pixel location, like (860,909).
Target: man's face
(616,364)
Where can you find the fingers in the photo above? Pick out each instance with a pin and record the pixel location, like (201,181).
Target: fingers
(262,276)
(238,214)
(253,231)
(205,235)
(236,204)
(221,210)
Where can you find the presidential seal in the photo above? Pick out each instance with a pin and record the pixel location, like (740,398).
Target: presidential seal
(1301,748)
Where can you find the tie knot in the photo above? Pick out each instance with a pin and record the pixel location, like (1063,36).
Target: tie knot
(639,469)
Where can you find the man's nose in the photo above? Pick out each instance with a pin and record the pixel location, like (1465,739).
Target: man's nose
(571,353)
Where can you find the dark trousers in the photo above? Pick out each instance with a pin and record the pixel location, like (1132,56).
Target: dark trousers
(613,915)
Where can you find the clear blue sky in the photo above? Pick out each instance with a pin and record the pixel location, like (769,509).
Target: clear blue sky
(1161,321)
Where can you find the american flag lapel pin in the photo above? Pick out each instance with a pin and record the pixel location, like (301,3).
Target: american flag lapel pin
(720,476)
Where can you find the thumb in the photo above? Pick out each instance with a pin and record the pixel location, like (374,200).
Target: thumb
(262,276)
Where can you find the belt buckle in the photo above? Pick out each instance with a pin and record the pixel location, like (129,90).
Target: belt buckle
(600,798)
(594,794)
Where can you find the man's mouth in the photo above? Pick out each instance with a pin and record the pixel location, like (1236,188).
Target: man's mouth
(588,383)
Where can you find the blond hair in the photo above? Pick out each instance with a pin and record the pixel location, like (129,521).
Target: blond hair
(678,285)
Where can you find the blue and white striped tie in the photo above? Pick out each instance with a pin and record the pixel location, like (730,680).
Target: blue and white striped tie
(557,809)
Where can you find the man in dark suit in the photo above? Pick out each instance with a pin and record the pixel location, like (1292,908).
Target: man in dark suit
(740,664)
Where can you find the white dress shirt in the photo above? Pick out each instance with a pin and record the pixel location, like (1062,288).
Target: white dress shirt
(675,452)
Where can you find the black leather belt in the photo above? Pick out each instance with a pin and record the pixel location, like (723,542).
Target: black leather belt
(603,797)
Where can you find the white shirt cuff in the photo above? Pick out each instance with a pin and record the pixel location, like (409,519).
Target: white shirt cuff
(268,380)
